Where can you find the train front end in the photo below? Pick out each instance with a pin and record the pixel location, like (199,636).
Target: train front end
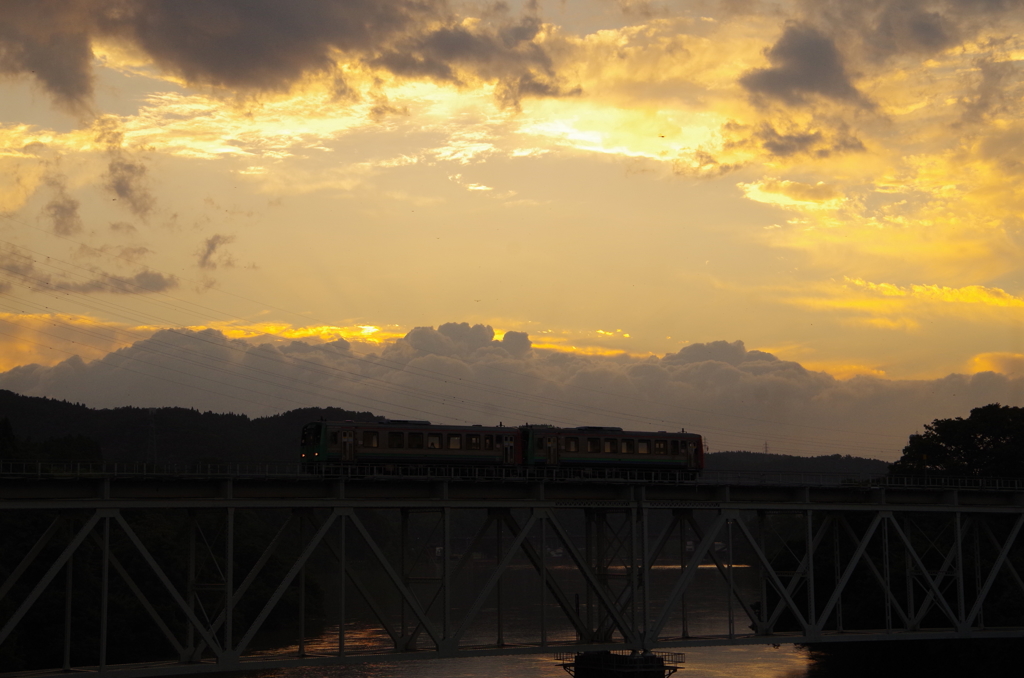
(313,445)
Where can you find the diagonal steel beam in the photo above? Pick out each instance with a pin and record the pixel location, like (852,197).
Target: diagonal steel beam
(952,555)
(926,604)
(371,602)
(407,595)
(1009,563)
(556,591)
(878,576)
(485,592)
(69,550)
(151,561)
(626,594)
(773,576)
(685,577)
(364,591)
(116,564)
(996,566)
(848,572)
(722,570)
(30,557)
(268,552)
(286,582)
(464,560)
(628,633)
(931,582)
(798,574)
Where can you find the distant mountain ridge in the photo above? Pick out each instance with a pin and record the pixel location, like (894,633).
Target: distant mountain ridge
(163,434)
(64,431)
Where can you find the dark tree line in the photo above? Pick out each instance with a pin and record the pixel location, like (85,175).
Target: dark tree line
(988,443)
(56,430)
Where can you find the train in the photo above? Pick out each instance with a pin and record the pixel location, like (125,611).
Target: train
(410,442)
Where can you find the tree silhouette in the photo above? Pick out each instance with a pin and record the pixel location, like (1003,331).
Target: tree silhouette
(990,442)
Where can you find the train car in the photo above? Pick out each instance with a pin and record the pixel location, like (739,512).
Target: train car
(420,442)
(409,442)
(612,447)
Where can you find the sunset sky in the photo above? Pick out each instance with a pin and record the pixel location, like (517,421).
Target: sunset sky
(837,185)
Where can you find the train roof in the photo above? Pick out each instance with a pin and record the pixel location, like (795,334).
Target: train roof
(413,423)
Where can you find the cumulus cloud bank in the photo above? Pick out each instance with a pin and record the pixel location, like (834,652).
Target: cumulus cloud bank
(737,398)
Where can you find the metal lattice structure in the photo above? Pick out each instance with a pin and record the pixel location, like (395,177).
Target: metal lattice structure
(232,570)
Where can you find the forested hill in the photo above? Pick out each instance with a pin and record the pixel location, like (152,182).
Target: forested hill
(41,428)
(59,430)
(784,463)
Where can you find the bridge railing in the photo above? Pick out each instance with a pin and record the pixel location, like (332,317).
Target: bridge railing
(257,471)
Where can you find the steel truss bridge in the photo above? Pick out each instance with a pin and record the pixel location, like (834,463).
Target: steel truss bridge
(236,567)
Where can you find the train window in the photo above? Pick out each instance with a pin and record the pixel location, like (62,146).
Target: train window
(661,447)
(643,447)
(488,442)
(572,444)
(334,437)
(539,442)
(370,439)
(628,446)
(396,440)
(415,441)
(311,434)
(473,441)
(611,445)
(593,445)
(454,441)
(675,447)
(434,441)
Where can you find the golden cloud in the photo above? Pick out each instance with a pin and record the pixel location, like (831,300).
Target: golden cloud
(793,193)
(1003,363)
(972,294)
(49,338)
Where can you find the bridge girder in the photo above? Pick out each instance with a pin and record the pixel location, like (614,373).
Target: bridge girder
(441,569)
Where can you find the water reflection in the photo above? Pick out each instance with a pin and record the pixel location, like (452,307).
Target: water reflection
(720,662)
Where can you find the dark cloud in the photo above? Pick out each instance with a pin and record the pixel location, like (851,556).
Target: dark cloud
(49,39)
(15,262)
(511,91)
(832,138)
(126,176)
(505,53)
(262,44)
(62,209)
(126,179)
(517,344)
(130,254)
(883,29)
(733,353)
(700,163)
(207,254)
(141,283)
(989,93)
(256,45)
(804,62)
(816,142)
(21,269)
